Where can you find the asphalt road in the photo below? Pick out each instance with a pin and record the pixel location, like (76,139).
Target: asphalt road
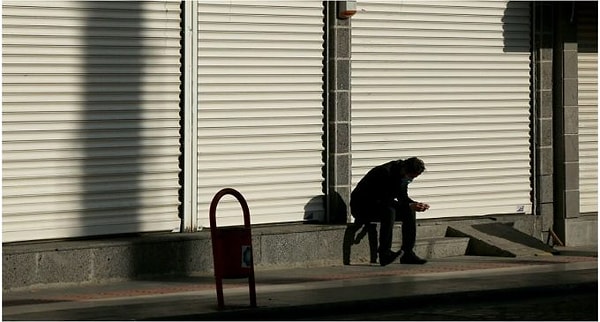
(577,306)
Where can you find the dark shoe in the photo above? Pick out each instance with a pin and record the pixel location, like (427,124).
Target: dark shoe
(412,258)
(389,257)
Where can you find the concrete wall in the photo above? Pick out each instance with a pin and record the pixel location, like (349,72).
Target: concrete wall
(162,255)
(555,125)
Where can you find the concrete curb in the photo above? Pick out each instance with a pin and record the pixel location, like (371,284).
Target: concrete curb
(300,312)
(341,290)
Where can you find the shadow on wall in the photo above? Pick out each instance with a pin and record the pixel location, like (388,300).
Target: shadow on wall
(118,187)
(111,123)
(111,120)
(586,13)
(314,213)
(313,210)
(352,236)
(506,231)
(516,27)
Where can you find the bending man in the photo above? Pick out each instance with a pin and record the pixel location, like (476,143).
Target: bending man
(382,195)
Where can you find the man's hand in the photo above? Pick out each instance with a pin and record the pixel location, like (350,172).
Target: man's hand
(419,206)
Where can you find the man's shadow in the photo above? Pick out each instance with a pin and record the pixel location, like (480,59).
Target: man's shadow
(353,236)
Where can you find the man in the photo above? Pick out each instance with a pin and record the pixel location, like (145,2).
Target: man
(382,195)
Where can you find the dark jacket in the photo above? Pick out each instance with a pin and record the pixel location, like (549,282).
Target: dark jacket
(381,185)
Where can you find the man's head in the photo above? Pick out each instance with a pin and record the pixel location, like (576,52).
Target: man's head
(413,167)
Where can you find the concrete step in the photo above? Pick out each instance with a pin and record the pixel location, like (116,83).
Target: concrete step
(431,231)
(581,230)
(499,239)
(432,242)
(441,247)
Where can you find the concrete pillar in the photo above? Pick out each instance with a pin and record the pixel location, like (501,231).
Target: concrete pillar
(339,151)
(566,123)
(543,19)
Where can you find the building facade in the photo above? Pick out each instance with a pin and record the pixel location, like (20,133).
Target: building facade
(127,117)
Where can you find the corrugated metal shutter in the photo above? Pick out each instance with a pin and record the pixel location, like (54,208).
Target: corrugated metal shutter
(90,118)
(588,106)
(448,82)
(260,109)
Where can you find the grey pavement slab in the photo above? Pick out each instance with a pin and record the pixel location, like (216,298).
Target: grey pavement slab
(299,291)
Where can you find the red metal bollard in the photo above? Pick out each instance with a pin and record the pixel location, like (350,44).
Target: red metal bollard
(232,248)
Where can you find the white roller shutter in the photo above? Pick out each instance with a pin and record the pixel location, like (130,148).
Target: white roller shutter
(449,82)
(260,108)
(90,118)
(588,108)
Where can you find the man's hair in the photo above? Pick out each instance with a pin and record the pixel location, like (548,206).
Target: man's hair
(414,165)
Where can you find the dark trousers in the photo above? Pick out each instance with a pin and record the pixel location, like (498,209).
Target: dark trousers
(387,215)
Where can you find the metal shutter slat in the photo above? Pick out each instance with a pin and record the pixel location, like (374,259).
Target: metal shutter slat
(441,81)
(260,108)
(588,108)
(90,118)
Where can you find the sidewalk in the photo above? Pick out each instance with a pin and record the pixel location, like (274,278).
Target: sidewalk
(294,293)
